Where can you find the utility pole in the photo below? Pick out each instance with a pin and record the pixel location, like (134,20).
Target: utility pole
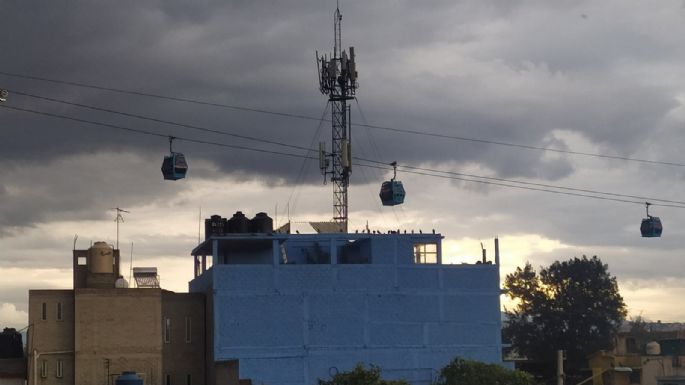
(119,219)
(560,367)
(338,80)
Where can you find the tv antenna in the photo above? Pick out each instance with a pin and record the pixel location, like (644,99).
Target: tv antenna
(119,219)
(338,80)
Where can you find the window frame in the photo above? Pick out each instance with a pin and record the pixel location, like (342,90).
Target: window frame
(167,330)
(60,311)
(421,253)
(44,368)
(59,373)
(44,311)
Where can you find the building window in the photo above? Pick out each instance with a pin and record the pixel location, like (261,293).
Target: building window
(425,253)
(59,311)
(167,330)
(189,380)
(60,369)
(44,313)
(168,379)
(44,368)
(631,345)
(188,329)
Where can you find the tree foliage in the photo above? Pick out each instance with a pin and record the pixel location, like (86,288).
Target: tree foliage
(467,372)
(572,305)
(361,376)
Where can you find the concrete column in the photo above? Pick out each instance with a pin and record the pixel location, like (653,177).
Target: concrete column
(276,249)
(215,252)
(334,251)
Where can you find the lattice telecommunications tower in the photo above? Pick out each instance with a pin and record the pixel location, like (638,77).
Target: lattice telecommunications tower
(338,80)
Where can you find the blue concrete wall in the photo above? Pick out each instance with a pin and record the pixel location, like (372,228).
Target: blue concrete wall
(293,324)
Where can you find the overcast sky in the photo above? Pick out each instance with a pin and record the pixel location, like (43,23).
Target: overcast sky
(586,76)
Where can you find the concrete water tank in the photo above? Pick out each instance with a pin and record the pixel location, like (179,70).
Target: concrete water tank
(653,348)
(128,378)
(101,258)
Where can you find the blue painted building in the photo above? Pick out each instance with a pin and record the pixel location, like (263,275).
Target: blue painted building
(292,308)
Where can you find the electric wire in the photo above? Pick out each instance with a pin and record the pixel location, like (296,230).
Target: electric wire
(380,165)
(307,117)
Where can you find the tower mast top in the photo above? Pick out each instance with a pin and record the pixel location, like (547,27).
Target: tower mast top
(338,80)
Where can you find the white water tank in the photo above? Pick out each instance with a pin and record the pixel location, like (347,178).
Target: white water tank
(101,258)
(121,283)
(653,348)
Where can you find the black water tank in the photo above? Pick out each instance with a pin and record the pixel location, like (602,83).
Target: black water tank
(238,223)
(262,223)
(214,226)
(11,344)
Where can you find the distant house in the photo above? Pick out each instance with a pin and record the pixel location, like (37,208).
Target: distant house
(101,328)
(12,361)
(654,352)
(291,308)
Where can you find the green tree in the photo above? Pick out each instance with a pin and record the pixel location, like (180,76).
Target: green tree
(467,372)
(573,305)
(361,376)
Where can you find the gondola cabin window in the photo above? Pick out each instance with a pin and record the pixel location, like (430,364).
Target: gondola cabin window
(425,253)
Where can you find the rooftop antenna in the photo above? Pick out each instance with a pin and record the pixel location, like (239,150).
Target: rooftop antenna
(199,226)
(119,219)
(338,80)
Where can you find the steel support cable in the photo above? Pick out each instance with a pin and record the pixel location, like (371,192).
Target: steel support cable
(529,188)
(150,133)
(406,167)
(300,176)
(158,120)
(379,165)
(306,117)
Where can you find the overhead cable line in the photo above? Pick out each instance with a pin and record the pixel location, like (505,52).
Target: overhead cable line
(307,117)
(311,149)
(157,120)
(531,188)
(150,133)
(378,165)
(405,168)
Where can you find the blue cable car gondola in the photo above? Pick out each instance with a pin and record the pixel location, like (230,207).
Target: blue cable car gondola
(651,226)
(174,166)
(392,192)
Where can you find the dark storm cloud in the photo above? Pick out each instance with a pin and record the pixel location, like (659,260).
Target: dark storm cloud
(256,54)
(512,72)
(75,188)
